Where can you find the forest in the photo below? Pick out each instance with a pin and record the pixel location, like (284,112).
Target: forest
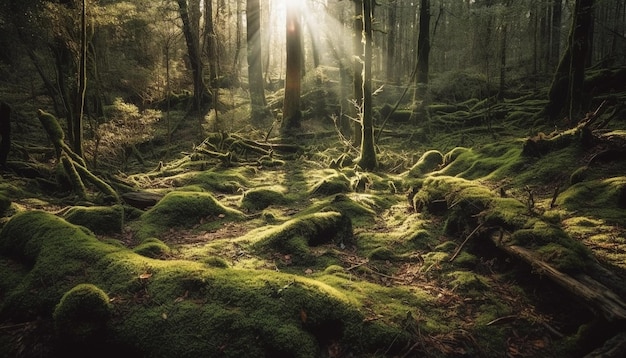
(313,178)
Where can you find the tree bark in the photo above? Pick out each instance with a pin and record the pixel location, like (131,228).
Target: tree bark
(79,102)
(357,66)
(391,43)
(423,43)
(566,92)
(291,104)
(210,41)
(367,161)
(200,91)
(258,104)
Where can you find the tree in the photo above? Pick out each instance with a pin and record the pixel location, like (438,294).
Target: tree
(423,43)
(566,92)
(368,160)
(291,104)
(258,104)
(201,93)
(357,65)
(79,102)
(210,42)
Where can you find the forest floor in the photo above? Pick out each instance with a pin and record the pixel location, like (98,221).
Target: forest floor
(238,245)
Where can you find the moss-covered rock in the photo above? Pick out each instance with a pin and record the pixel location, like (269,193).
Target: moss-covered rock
(153,248)
(428,162)
(99,219)
(82,315)
(331,184)
(184,209)
(261,198)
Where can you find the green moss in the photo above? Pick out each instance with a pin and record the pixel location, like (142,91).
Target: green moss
(602,198)
(215,261)
(428,162)
(169,308)
(228,181)
(153,248)
(453,154)
(467,280)
(579,175)
(82,314)
(99,219)
(295,236)
(331,184)
(184,209)
(382,253)
(572,259)
(261,198)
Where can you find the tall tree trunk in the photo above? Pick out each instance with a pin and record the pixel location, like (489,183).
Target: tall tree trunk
(368,160)
(258,104)
(291,103)
(200,90)
(210,41)
(391,43)
(566,91)
(357,66)
(79,102)
(423,43)
(557,11)
(503,40)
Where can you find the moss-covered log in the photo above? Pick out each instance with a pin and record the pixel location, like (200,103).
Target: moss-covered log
(596,295)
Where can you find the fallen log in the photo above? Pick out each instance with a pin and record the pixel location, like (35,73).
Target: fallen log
(599,297)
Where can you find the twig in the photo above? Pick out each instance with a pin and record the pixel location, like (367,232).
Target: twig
(458,249)
(591,117)
(555,195)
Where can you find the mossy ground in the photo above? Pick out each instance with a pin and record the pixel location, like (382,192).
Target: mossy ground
(316,258)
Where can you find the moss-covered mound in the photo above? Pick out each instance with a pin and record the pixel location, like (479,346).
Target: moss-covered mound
(602,198)
(153,248)
(296,236)
(332,184)
(261,198)
(184,209)
(82,315)
(177,308)
(428,162)
(99,219)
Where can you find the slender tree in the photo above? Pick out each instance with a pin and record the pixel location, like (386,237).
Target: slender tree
(258,104)
(368,160)
(357,66)
(81,88)
(291,104)
(210,41)
(423,43)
